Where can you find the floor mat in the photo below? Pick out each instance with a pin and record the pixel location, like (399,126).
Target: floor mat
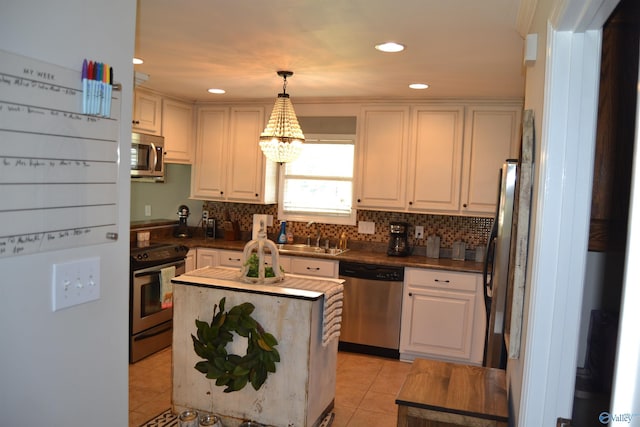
(168,419)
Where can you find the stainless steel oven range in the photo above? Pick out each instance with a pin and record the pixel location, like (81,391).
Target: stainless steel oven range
(151,317)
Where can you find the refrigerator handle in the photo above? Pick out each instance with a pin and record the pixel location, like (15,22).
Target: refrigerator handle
(488,256)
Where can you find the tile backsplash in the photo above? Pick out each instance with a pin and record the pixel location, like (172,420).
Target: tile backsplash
(473,231)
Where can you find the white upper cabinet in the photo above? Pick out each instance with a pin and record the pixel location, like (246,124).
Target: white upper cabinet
(435,158)
(147,113)
(229,165)
(209,168)
(251,177)
(492,135)
(382,150)
(177,129)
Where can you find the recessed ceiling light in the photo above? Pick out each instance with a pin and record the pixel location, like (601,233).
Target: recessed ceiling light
(216,91)
(418,86)
(390,47)
(137,61)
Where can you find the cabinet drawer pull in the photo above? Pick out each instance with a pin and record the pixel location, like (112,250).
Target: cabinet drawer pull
(313,268)
(233,259)
(441,281)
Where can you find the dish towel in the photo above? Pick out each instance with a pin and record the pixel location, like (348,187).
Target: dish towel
(332,314)
(166,287)
(331,303)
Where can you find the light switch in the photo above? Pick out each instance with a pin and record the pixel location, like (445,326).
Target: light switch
(75,282)
(147,210)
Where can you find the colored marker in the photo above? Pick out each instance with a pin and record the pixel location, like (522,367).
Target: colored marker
(84,86)
(97,78)
(110,89)
(91,91)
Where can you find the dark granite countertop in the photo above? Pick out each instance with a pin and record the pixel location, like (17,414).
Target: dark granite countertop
(355,254)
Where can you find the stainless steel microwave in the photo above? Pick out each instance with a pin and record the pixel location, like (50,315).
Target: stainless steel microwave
(147,156)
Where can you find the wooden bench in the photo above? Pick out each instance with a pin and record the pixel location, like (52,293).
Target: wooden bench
(442,394)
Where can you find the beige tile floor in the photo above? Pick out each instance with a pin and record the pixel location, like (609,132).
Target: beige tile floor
(366,389)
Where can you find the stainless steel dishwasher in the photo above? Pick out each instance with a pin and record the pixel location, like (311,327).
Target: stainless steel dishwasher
(372,308)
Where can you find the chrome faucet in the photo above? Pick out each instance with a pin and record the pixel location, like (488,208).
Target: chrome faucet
(309,224)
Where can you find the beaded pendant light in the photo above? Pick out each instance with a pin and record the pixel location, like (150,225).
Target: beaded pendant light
(282,139)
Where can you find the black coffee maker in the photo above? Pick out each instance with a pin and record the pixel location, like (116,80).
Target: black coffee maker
(398,242)
(182,230)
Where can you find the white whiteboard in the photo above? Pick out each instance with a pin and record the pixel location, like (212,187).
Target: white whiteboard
(58,167)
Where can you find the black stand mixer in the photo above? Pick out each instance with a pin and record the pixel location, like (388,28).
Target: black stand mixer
(182,230)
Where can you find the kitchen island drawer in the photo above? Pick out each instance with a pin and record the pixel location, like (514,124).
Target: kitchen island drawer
(439,279)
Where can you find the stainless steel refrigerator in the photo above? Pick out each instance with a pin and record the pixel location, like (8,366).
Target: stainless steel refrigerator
(496,267)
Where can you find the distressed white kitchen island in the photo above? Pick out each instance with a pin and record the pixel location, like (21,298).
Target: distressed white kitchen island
(297,312)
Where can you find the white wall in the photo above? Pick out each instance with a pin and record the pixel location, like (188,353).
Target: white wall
(68,368)
(534,100)
(561,88)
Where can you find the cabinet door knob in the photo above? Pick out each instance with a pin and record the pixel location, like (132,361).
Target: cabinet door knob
(358,200)
(410,203)
(464,205)
(257,195)
(410,294)
(221,193)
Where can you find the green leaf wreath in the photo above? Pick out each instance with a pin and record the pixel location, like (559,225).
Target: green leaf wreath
(231,370)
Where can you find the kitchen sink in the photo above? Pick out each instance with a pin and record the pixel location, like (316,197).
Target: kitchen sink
(301,247)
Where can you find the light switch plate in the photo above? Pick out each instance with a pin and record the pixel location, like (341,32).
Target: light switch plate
(75,282)
(147,210)
(366,227)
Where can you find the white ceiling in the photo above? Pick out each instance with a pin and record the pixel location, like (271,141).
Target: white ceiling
(462,48)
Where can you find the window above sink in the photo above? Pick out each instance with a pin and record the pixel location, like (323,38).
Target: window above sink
(318,186)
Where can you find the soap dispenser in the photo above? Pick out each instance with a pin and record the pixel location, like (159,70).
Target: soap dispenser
(282,236)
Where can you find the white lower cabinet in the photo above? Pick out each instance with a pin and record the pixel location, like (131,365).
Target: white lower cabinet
(314,267)
(443,316)
(190,261)
(207,257)
(229,258)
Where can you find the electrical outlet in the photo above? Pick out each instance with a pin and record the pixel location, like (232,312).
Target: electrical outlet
(75,282)
(419,233)
(147,210)
(205,216)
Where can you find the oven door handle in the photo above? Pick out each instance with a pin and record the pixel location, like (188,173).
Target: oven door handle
(149,271)
(143,336)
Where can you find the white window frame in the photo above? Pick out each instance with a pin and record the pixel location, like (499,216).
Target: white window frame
(318,217)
